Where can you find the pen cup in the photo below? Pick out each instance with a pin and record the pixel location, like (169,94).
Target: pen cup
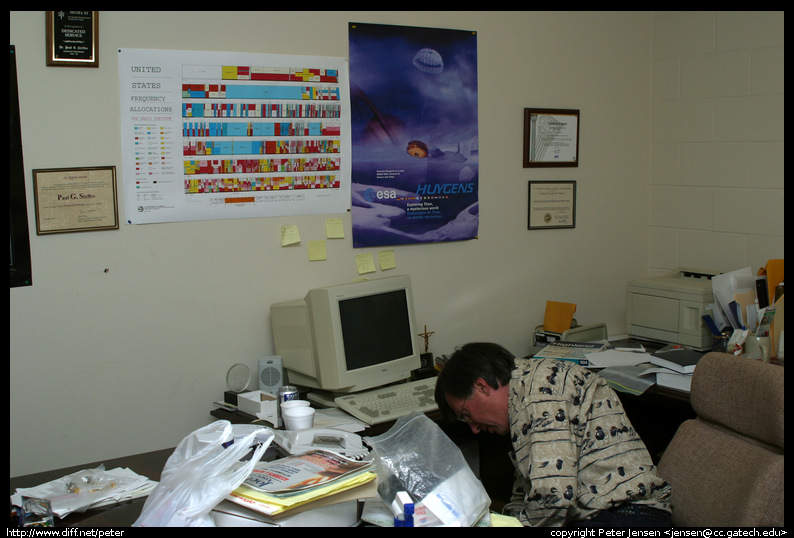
(719,342)
(757,347)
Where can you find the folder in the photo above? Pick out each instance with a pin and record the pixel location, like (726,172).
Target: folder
(558,316)
(774,276)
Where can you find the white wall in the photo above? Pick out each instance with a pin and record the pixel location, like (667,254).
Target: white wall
(717,140)
(105,364)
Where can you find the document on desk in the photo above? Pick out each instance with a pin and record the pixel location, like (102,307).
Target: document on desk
(613,357)
(336,418)
(628,379)
(123,485)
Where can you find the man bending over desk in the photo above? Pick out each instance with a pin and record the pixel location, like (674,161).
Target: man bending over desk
(577,458)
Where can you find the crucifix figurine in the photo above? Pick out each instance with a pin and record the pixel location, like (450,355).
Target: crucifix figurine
(426,336)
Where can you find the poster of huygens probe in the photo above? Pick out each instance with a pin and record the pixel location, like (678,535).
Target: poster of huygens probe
(415,148)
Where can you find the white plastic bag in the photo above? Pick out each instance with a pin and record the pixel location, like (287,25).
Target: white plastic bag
(202,471)
(417,457)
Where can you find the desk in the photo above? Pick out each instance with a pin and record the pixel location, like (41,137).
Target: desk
(148,464)
(238,417)
(655,414)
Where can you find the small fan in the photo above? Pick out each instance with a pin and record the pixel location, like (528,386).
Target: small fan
(270,376)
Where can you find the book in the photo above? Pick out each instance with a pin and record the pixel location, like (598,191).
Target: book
(682,361)
(674,380)
(318,477)
(570,351)
(668,378)
(273,508)
(305,471)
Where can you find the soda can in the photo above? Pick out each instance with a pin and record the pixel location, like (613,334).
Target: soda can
(285,393)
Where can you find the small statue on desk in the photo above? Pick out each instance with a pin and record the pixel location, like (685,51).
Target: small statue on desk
(426,336)
(427,367)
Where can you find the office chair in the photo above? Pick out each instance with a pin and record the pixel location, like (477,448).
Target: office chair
(726,465)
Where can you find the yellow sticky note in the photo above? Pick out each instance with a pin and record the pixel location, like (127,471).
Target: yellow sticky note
(317,251)
(386,259)
(289,235)
(334,229)
(365,263)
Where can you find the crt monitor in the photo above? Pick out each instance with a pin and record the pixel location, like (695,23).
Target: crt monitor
(349,337)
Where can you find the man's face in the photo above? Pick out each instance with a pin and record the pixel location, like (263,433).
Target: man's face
(484,410)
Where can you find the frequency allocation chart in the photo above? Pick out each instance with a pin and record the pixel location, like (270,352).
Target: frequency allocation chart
(210,135)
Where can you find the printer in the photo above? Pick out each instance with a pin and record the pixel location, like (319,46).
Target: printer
(669,308)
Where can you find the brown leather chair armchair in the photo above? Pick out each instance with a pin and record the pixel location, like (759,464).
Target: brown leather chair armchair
(726,465)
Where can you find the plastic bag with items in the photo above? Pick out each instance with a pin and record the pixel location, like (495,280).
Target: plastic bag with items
(417,457)
(207,465)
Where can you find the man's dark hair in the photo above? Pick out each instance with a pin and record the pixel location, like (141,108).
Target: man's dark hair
(485,360)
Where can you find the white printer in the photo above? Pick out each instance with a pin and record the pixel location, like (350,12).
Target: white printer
(669,308)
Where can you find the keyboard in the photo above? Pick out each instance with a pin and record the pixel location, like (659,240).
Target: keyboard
(390,403)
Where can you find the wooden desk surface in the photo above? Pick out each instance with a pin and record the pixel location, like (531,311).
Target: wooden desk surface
(148,464)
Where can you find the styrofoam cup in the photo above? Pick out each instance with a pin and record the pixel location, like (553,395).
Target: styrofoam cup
(298,418)
(294,403)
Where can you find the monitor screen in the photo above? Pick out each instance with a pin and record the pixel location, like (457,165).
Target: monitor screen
(375,328)
(348,337)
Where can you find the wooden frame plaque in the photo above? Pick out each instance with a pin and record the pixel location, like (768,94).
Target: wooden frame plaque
(73,38)
(551,137)
(552,204)
(75,199)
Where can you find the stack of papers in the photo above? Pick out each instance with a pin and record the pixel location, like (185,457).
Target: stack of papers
(615,357)
(337,419)
(309,480)
(669,378)
(628,371)
(71,494)
(675,368)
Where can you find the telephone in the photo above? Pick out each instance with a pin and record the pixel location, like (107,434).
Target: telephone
(342,442)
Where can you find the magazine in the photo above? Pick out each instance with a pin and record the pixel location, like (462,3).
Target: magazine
(570,351)
(294,474)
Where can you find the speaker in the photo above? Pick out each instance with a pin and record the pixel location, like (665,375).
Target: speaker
(271,374)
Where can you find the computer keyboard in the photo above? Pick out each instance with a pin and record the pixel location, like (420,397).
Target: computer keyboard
(390,403)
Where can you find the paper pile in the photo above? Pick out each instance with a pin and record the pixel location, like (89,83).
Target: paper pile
(75,493)
(312,479)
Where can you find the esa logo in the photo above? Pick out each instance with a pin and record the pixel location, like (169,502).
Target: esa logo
(370,195)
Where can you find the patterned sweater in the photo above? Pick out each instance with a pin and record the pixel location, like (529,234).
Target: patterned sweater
(574,449)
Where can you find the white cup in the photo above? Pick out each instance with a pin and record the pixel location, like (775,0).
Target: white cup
(291,404)
(298,418)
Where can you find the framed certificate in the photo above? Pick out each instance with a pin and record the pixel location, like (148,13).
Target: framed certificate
(551,137)
(73,38)
(552,204)
(75,199)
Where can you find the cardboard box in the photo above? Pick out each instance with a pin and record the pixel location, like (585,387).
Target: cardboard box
(261,404)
